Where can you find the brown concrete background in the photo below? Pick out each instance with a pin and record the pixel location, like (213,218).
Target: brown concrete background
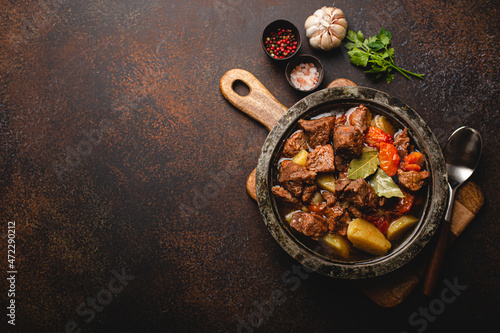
(118,152)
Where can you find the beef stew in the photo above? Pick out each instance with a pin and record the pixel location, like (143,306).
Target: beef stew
(350,183)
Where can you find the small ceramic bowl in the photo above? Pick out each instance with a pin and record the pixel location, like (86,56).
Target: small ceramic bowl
(295,65)
(272,28)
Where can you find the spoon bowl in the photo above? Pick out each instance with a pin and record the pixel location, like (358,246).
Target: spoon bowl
(461,154)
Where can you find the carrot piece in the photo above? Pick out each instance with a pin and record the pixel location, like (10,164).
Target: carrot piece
(415,158)
(389,158)
(374,136)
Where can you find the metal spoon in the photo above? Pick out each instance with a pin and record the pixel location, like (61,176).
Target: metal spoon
(461,153)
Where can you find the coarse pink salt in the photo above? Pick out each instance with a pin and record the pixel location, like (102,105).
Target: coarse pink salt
(304,76)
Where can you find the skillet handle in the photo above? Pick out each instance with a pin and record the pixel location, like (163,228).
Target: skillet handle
(341,83)
(259,104)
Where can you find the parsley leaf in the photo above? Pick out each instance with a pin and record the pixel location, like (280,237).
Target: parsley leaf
(376,46)
(384,39)
(359,58)
(375,52)
(360,36)
(383,31)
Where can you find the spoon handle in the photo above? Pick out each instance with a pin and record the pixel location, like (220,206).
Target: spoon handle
(438,254)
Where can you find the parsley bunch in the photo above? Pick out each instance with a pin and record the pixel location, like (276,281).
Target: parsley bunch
(375,51)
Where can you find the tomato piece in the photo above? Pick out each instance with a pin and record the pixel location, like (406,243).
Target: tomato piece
(380,221)
(382,225)
(389,158)
(374,136)
(415,158)
(404,205)
(413,162)
(411,167)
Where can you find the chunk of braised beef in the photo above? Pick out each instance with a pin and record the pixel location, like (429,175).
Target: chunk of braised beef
(285,196)
(309,224)
(401,142)
(340,185)
(338,219)
(354,212)
(347,141)
(413,180)
(321,159)
(340,120)
(360,118)
(308,192)
(295,144)
(294,187)
(329,197)
(318,131)
(341,164)
(293,176)
(291,171)
(360,194)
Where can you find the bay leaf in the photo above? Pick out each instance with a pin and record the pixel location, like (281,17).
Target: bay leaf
(384,186)
(363,166)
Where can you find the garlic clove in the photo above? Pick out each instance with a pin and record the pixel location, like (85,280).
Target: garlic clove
(335,41)
(311,21)
(319,13)
(328,10)
(337,13)
(326,42)
(342,22)
(315,41)
(337,31)
(313,31)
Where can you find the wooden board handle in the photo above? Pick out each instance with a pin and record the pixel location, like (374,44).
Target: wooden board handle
(259,104)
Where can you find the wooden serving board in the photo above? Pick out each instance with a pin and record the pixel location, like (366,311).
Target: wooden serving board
(390,289)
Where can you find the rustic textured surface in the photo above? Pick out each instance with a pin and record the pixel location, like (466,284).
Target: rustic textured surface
(118,151)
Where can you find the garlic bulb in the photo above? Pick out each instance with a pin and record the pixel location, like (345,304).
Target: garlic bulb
(326,28)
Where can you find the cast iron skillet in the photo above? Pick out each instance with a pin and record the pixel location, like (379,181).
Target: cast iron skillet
(265,108)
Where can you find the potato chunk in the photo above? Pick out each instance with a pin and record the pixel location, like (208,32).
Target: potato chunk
(336,244)
(384,124)
(400,226)
(366,149)
(289,216)
(301,157)
(326,182)
(317,199)
(366,237)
